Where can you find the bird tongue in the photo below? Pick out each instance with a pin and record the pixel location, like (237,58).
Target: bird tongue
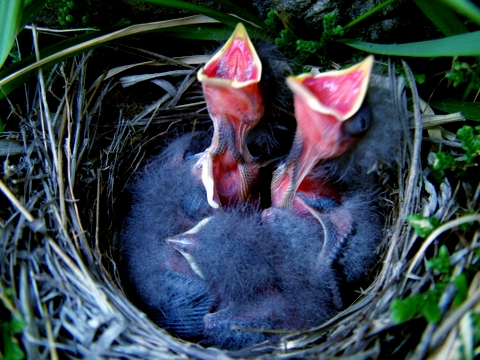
(322,104)
(230,82)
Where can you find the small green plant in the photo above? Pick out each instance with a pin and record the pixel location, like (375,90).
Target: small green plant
(299,50)
(319,48)
(426,303)
(470,140)
(464,73)
(419,78)
(15,55)
(11,324)
(423,225)
(65,11)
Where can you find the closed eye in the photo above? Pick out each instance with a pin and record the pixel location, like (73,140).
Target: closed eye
(359,123)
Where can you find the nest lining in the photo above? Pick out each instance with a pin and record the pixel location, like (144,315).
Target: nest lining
(59,230)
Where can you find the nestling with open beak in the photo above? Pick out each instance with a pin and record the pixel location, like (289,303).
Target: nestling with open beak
(204,261)
(330,121)
(332,117)
(177,190)
(231,86)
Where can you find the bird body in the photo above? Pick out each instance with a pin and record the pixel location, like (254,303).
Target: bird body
(157,277)
(263,278)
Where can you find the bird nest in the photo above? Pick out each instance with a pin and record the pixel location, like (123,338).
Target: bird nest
(82,136)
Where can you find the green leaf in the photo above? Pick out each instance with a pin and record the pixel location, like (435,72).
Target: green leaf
(475,318)
(20,72)
(217,32)
(406,309)
(466,8)
(419,78)
(10,18)
(30,10)
(442,16)
(423,225)
(217,15)
(457,45)
(470,143)
(11,348)
(368,13)
(471,110)
(16,324)
(460,282)
(239,11)
(442,262)
(444,161)
(430,309)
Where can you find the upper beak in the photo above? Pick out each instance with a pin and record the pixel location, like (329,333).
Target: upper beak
(187,243)
(231,86)
(323,104)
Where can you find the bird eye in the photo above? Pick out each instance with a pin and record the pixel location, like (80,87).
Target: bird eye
(360,122)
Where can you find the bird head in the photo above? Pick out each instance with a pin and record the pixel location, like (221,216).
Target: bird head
(331,118)
(327,107)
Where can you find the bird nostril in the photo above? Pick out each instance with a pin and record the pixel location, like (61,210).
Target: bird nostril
(359,123)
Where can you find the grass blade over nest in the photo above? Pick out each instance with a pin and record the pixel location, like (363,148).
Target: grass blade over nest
(10,16)
(240,12)
(442,16)
(466,8)
(178,4)
(18,74)
(471,110)
(368,13)
(458,45)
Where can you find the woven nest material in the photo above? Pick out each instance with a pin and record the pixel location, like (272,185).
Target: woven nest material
(64,175)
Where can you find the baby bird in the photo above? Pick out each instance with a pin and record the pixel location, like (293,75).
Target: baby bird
(166,201)
(185,183)
(332,117)
(231,87)
(268,276)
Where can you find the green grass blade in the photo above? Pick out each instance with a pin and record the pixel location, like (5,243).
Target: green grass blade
(178,4)
(241,12)
(471,110)
(10,17)
(442,16)
(368,13)
(466,8)
(457,45)
(18,73)
(217,32)
(31,9)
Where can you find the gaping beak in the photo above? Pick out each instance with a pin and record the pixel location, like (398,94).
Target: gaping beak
(187,243)
(324,107)
(231,86)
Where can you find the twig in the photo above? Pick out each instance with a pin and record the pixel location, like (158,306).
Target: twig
(18,205)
